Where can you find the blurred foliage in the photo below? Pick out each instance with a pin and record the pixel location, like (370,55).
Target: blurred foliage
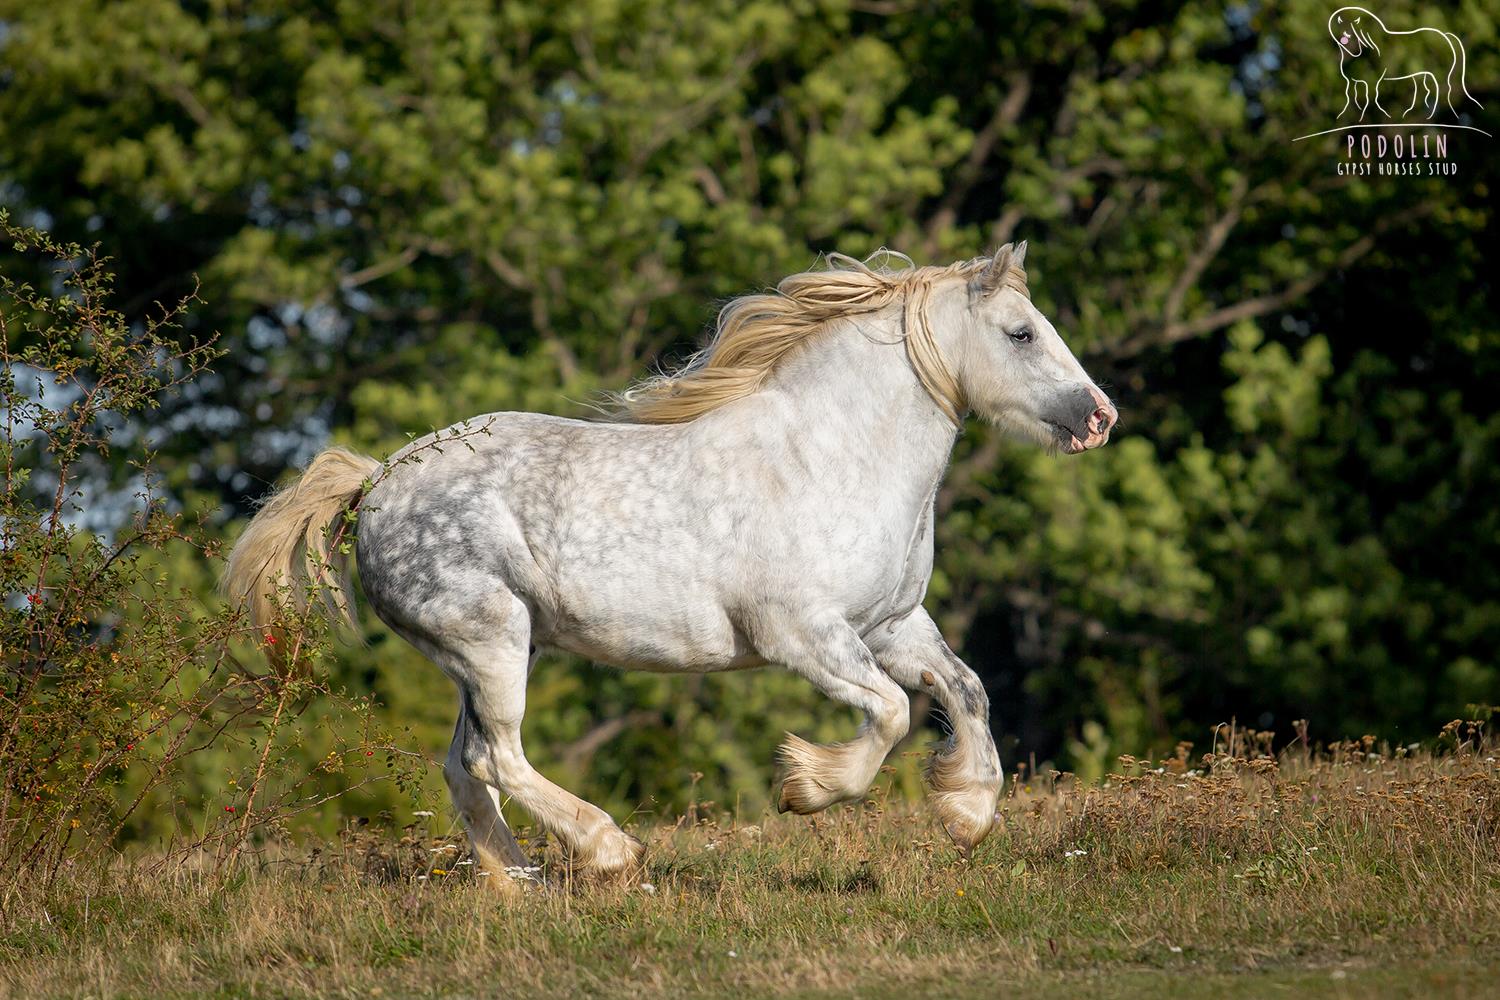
(404,213)
(125,707)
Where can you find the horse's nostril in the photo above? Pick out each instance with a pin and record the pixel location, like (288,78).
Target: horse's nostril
(1102,420)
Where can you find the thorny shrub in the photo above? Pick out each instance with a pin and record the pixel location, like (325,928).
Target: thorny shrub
(109,677)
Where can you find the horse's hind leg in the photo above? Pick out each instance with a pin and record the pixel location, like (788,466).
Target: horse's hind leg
(495,848)
(491,675)
(831,655)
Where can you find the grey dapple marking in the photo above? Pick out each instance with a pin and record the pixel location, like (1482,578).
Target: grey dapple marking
(786,519)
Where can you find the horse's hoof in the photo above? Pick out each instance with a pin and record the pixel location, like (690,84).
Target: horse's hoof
(800,795)
(619,859)
(967,817)
(815,776)
(965,807)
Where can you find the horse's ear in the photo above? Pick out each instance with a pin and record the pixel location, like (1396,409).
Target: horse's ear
(1018,256)
(994,275)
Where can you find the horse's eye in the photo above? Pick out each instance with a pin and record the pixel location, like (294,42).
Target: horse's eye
(1021,336)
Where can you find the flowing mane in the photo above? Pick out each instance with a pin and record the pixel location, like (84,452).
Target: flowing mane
(756,332)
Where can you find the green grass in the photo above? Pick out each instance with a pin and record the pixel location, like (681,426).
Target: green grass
(1336,876)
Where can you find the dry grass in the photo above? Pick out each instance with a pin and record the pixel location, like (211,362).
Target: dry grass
(1351,872)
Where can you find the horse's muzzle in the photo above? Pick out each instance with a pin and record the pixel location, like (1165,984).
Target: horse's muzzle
(1091,430)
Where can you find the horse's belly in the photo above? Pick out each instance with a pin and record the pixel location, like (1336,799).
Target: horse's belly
(646,624)
(646,650)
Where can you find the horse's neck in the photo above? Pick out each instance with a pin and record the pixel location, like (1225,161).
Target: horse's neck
(860,405)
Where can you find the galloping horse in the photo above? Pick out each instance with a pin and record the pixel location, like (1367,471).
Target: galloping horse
(769,503)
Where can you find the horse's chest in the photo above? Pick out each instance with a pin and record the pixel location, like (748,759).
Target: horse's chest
(889,575)
(916,568)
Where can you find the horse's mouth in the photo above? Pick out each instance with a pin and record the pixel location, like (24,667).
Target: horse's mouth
(1095,425)
(1068,442)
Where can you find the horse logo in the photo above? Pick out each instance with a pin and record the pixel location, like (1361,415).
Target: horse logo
(1428,61)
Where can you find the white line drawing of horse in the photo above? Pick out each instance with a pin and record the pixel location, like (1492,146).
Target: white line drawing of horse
(1370,55)
(770,503)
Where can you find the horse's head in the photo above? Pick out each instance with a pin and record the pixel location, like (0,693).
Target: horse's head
(1015,370)
(1350,28)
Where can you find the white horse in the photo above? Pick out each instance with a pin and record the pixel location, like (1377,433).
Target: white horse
(770,503)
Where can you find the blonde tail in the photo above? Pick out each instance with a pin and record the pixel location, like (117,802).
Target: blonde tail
(287,542)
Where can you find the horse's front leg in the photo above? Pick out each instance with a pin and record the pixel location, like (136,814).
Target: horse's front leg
(1375,95)
(964,775)
(828,652)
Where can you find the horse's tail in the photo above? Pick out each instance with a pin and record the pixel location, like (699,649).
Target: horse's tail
(1463,60)
(287,544)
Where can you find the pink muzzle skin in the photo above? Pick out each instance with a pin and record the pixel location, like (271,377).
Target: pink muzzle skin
(1100,423)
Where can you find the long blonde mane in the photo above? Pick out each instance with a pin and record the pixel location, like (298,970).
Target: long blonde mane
(755,333)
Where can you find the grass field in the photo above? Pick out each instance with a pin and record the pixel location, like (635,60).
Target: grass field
(1347,873)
